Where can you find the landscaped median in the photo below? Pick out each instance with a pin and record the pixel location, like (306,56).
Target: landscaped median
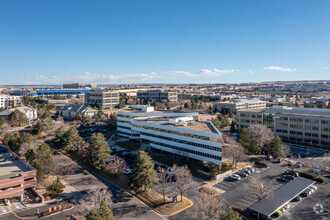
(155,200)
(210,190)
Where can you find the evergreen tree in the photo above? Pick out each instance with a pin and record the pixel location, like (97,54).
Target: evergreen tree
(18,116)
(100,114)
(93,215)
(144,175)
(275,148)
(98,151)
(245,139)
(30,155)
(72,139)
(254,146)
(232,127)
(105,212)
(59,137)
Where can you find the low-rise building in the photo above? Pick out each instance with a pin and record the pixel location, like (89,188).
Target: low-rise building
(158,95)
(240,104)
(70,111)
(30,113)
(9,101)
(105,99)
(16,175)
(180,133)
(309,126)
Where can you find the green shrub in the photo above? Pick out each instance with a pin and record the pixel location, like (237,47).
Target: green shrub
(49,193)
(56,187)
(311,177)
(306,175)
(260,164)
(319,180)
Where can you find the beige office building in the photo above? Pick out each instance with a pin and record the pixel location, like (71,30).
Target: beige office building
(102,98)
(240,104)
(307,126)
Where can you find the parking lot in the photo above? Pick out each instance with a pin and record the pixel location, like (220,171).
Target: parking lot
(237,192)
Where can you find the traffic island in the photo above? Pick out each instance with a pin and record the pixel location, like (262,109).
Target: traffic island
(156,201)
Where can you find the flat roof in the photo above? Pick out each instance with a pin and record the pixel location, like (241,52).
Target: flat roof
(198,126)
(281,196)
(9,169)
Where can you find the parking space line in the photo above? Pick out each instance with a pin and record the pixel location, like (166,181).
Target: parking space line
(243,204)
(246,201)
(226,184)
(251,199)
(225,187)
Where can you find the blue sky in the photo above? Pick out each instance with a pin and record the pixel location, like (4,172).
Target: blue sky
(163,41)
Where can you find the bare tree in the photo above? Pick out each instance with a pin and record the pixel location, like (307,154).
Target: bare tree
(236,153)
(116,167)
(26,146)
(163,179)
(257,186)
(183,179)
(92,200)
(4,129)
(208,207)
(261,133)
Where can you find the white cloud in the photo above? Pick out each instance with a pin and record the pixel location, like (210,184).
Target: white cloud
(89,77)
(216,72)
(279,69)
(325,68)
(180,73)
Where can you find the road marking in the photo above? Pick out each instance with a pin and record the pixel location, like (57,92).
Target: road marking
(246,201)
(251,199)
(226,188)
(226,184)
(243,204)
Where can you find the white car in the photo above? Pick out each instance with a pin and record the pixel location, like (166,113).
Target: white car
(313,187)
(234,177)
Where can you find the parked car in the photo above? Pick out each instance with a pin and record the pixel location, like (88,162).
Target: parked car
(317,169)
(313,187)
(247,171)
(251,169)
(241,173)
(306,193)
(296,199)
(234,177)
(269,157)
(287,178)
(292,173)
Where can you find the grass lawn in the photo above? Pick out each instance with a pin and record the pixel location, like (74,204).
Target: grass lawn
(155,200)
(129,145)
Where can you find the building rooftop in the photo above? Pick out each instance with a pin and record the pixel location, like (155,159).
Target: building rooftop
(291,110)
(10,169)
(243,101)
(281,196)
(197,126)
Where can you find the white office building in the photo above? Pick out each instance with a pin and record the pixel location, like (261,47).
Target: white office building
(9,101)
(175,132)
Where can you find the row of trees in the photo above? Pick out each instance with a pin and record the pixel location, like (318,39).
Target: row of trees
(19,143)
(259,138)
(144,176)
